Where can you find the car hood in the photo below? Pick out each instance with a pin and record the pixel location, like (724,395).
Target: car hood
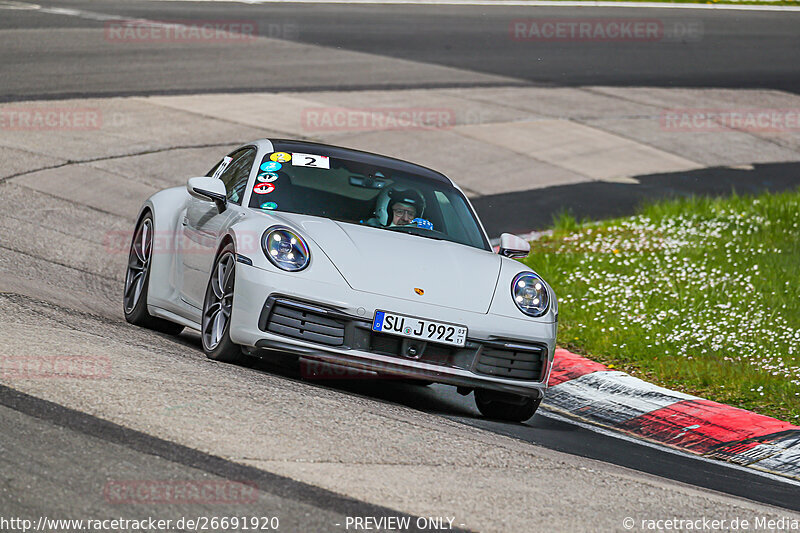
(396,264)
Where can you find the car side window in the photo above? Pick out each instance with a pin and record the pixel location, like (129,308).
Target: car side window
(237,173)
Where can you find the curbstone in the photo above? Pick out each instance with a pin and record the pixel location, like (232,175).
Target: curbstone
(589,391)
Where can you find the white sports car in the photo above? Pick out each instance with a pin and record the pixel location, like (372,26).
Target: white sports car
(347,258)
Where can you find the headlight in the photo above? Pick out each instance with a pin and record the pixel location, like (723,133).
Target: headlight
(285,248)
(530,294)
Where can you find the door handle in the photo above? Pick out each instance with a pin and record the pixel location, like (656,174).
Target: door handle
(185,221)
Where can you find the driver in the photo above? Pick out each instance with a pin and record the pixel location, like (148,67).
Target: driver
(403,207)
(400,207)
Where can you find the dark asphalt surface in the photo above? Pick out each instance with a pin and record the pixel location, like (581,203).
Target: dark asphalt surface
(62,464)
(597,200)
(734,49)
(567,437)
(699,48)
(64,460)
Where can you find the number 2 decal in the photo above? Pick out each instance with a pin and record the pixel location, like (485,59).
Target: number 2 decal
(311,160)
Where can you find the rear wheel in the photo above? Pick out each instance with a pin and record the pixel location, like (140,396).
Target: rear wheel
(137,280)
(217,309)
(505,406)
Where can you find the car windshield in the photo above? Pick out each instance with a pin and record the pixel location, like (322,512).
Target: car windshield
(353,191)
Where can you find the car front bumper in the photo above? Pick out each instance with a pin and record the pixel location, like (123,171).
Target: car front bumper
(258,292)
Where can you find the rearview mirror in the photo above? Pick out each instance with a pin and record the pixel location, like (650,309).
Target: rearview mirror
(208,189)
(513,246)
(368,182)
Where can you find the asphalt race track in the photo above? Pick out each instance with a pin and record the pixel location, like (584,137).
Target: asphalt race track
(319,453)
(709,49)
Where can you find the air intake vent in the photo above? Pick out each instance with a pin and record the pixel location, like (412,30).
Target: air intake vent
(527,364)
(305,325)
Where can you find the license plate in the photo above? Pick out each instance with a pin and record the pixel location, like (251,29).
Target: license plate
(419,328)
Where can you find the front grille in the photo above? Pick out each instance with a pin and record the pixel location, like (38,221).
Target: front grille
(439,354)
(331,327)
(306,325)
(512,363)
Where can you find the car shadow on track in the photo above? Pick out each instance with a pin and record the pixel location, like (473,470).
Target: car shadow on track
(542,430)
(434,399)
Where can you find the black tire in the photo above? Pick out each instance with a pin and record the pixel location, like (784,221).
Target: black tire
(137,281)
(505,406)
(218,346)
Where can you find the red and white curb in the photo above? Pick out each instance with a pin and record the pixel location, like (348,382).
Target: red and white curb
(591,392)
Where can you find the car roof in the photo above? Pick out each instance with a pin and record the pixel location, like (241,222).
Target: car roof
(339,152)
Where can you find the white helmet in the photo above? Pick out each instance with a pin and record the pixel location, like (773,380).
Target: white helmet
(397,194)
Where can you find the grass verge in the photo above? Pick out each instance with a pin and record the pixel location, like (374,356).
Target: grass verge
(698,295)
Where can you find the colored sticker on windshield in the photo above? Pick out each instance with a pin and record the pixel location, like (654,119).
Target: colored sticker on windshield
(263,188)
(267,177)
(281,157)
(311,160)
(271,166)
(269,205)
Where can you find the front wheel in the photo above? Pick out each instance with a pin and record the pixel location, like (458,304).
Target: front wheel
(137,281)
(217,309)
(505,406)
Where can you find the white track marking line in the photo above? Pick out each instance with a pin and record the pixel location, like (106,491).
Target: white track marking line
(91,15)
(13,5)
(9,4)
(540,3)
(547,412)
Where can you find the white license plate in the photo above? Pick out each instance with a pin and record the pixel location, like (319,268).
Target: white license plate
(419,328)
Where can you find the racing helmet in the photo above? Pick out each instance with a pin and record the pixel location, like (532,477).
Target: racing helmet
(397,194)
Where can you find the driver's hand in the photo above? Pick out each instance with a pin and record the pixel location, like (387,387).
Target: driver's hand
(422,223)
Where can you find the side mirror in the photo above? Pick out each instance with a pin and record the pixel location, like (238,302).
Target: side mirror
(210,190)
(513,246)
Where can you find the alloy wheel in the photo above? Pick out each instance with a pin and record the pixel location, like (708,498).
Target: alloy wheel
(219,301)
(138,264)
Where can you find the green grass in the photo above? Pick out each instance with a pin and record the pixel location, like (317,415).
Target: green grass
(699,295)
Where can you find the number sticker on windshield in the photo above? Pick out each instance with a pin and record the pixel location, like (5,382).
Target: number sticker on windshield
(270,166)
(311,160)
(280,157)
